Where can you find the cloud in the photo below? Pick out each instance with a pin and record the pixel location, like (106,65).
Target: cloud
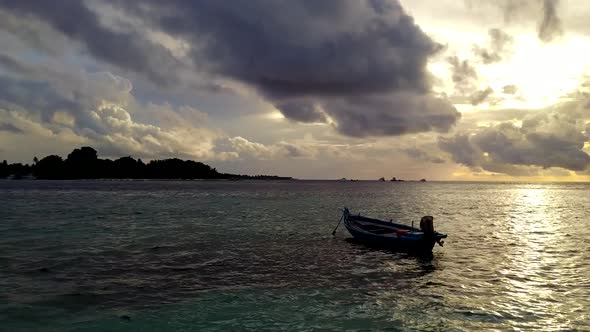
(549,24)
(33,95)
(125,49)
(464,74)
(280,46)
(69,82)
(304,57)
(122,136)
(461,150)
(70,106)
(546,138)
(9,127)
(35,33)
(421,155)
(253,150)
(465,79)
(293,151)
(498,48)
(302,110)
(512,145)
(510,89)
(480,96)
(389,115)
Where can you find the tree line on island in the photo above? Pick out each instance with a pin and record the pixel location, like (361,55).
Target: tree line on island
(83,163)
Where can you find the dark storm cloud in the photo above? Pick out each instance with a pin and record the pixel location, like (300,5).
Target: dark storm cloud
(9,127)
(301,110)
(393,114)
(292,47)
(308,58)
(127,50)
(500,41)
(306,55)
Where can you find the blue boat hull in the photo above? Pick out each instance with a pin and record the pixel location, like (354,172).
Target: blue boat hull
(418,245)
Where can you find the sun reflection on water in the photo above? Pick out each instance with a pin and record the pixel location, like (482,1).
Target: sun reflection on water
(533,274)
(515,266)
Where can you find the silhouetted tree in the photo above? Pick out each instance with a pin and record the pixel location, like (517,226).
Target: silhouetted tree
(107,169)
(50,167)
(82,154)
(83,163)
(129,168)
(4,170)
(19,170)
(180,169)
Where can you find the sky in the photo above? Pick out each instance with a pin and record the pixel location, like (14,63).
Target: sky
(486,90)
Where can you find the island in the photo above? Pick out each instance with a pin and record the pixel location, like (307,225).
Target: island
(83,163)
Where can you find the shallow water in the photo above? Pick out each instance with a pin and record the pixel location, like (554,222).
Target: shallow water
(230,256)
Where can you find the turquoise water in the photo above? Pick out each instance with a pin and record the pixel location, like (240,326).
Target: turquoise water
(256,256)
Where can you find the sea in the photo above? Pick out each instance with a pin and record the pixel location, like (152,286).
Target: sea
(260,256)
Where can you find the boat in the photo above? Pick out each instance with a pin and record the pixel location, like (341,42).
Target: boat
(392,235)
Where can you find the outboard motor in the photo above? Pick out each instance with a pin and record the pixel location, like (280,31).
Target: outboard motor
(427,224)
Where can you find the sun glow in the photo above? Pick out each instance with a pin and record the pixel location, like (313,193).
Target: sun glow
(542,72)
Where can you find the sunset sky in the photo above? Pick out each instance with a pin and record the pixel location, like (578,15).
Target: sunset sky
(443,90)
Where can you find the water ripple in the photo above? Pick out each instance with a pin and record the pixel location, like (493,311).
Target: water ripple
(259,256)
